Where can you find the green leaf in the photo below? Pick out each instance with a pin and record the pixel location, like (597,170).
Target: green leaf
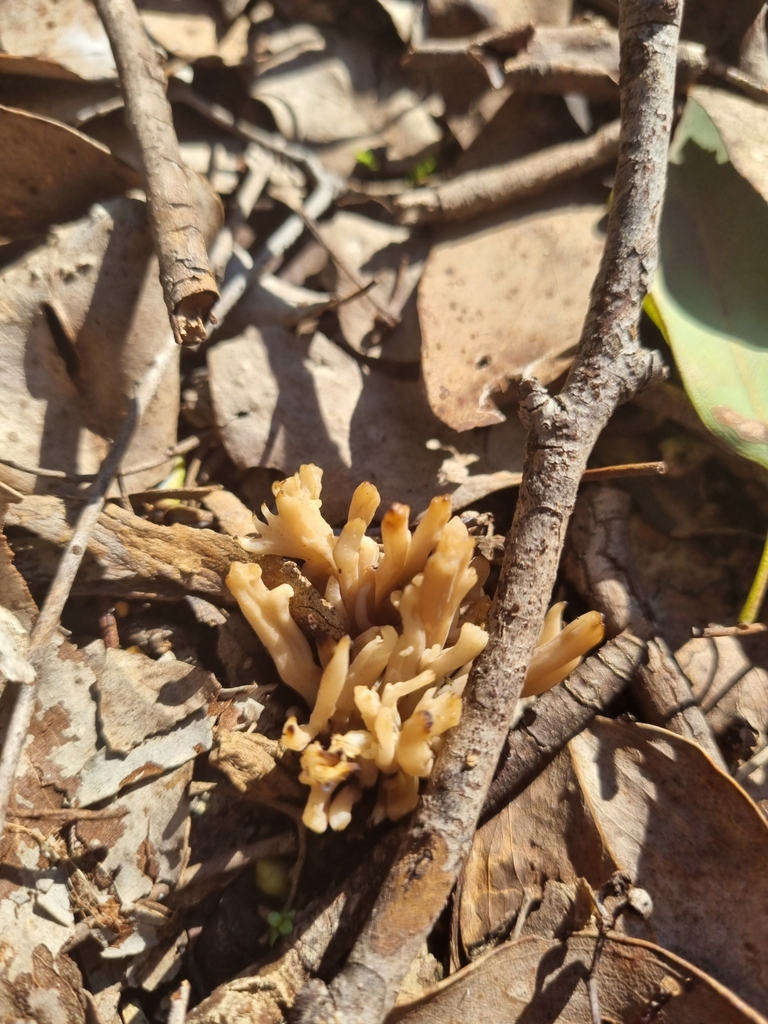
(368,159)
(710,295)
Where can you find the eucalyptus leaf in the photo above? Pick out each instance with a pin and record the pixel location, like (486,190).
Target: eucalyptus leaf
(710,294)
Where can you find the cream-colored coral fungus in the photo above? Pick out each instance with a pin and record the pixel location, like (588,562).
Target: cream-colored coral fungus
(384,695)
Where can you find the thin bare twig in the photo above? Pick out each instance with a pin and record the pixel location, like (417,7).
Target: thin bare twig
(610,366)
(740,629)
(81,478)
(67,814)
(188,283)
(327,187)
(50,614)
(469,195)
(345,268)
(177,1014)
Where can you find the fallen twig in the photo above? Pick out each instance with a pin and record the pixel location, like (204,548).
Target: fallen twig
(485,483)
(130,557)
(740,629)
(610,366)
(327,187)
(81,478)
(179,1003)
(600,564)
(560,714)
(469,195)
(188,283)
(50,614)
(67,814)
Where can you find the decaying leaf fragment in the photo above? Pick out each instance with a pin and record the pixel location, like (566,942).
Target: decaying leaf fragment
(388,690)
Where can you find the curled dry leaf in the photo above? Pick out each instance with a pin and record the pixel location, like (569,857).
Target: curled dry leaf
(66,39)
(535,980)
(394,258)
(52,173)
(326,89)
(517,287)
(644,801)
(730,682)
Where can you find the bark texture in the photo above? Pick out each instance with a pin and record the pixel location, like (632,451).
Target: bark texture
(471,194)
(188,283)
(610,366)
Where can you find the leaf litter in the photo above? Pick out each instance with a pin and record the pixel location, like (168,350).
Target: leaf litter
(384,346)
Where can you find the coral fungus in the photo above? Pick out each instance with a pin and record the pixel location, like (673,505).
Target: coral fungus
(385,694)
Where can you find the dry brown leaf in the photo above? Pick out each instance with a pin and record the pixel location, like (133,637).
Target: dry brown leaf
(326,89)
(58,38)
(537,981)
(730,682)
(345,423)
(545,834)
(463,17)
(645,801)
(65,38)
(583,55)
(721,29)
(185,28)
(138,697)
(52,173)
(506,297)
(150,849)
(393,257)
(83,317)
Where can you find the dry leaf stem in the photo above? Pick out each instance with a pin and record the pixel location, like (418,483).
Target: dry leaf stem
(469,195)
(50,614)
(600,563)
(610,365)
(188,283)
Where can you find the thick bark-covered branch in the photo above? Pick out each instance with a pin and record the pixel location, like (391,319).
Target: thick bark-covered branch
(188,283)
(610,366)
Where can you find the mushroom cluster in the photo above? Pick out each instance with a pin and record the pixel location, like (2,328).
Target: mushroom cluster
(382,697)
